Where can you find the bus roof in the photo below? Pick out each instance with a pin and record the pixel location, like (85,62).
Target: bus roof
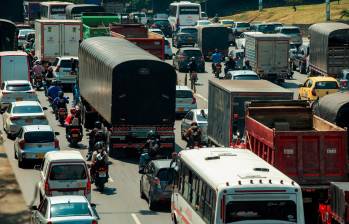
(222,167)
(185,3)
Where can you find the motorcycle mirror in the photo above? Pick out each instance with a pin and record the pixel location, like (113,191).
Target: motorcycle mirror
(44,108)
(34,207)
(57,133)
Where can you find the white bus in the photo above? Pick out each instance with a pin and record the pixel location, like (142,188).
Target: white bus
(183,14)
(53,10)
(225,185)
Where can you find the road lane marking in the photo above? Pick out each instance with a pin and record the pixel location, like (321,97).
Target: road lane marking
(200,96)
(135,218)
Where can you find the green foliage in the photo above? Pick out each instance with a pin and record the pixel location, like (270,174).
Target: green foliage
(345,13)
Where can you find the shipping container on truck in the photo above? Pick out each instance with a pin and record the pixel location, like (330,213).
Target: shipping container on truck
(329,48)
(268,55)
(226,105)
(310,150)
(7,35)
(14,65)
(129,90)
(55,38)
(97,24)
(138,34)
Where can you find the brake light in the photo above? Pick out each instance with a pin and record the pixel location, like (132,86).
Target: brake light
(313,92)
(47,189)
(223,209)
(344,83)
(194,101)
(14,118)
(94,222)
(56,143)
(21,144)
(88,187)
(57,68)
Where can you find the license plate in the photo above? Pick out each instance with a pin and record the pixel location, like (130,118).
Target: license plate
(75,135)
(40,155)
(19,99)
(102,174)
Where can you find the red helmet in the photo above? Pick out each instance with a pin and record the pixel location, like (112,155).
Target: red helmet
(73,111)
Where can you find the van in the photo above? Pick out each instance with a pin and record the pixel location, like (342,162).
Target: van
(64,173)
(14,65)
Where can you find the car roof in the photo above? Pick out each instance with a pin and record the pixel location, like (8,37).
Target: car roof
(162,163)
(242,72)
(183,88)
(67,57)
(322,78)
(65,155)
(13,82)
(288,27)
(67,199)
(37,128)
(26,103)
(198,111)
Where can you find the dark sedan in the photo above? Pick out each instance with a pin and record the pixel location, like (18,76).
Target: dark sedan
(164,25)
(182,58)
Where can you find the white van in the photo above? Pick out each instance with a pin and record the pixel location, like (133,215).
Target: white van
(14,65)
(64,173)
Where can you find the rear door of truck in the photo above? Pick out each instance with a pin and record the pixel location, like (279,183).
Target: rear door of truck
(71,33)
(281,55)
(265,55)
(51,40)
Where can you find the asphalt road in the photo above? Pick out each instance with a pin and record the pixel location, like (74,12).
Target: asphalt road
(121,202)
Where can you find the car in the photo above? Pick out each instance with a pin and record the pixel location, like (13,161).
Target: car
(293,32)
(33,142)
(164,25)
(168,50)
(23,113)
(203,22)
(343,79)
(263,27)
(182,57)
(299,57)
(317,87)
(240,27)
(158,31)
(64,172)
(185,100)
(227,22)
(62,69)
(162,16)
(200,117)
(238,55)
(64,209)
(140,16)
(21,36)
(157,181)
(243,75)
(16,90)
(186,36)
(204,15)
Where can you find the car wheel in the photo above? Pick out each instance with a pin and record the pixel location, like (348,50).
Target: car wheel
(141,190)
(151,203)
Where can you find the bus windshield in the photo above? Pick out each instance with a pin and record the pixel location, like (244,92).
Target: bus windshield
(58,9)
(185,10)
(261,210)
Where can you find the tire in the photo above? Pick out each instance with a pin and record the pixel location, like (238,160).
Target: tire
(15,155)
(141,190)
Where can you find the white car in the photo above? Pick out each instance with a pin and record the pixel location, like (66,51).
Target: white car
(140,16)
(22,34)
(16,90)
(168,50)
(158,31)
(185,100)
(243,75)
(200,117)
(64,209)
(23,113)
(33,142)
(203,23)
(62,69)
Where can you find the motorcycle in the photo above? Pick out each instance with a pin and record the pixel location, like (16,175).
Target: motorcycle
(74,134)
(100,175)
(38,81)
(218,69)
(62,115)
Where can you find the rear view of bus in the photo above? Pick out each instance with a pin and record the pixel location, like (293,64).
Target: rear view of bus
(225,185)
(184,14)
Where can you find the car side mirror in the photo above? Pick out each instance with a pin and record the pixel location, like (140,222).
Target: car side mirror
(34,207)
(44,108)
(37,167)
(93,205)
(141,171)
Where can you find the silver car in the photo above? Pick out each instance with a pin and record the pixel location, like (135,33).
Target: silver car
(33,142)
(185,100)
(200,117)
(243,75)
(64,209)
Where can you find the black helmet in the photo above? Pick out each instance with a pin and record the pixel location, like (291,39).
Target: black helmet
(99,145)
(60,94)
(98,124)
(192,58)
(151,134)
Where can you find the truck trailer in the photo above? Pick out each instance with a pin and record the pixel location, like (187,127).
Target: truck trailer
(129,90)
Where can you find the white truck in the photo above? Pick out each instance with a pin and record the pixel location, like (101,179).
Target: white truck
(268,55)
(55,38)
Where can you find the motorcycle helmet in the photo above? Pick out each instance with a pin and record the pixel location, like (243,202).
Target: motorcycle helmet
(73,111)
(152,134)
(98,125)
(60,94)
(194,124)
(99,146)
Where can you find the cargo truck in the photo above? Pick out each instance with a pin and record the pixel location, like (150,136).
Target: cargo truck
(310,150)
(129,90)
(138,34)
(75,11)
(7,35)
(329,48)
(268,55)
(55,38)
(226,105)
(97,24)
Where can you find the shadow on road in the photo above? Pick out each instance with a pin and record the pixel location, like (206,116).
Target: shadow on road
(15,218)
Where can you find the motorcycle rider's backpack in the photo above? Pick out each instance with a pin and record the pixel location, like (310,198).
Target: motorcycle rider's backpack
(196,134)
(61,103)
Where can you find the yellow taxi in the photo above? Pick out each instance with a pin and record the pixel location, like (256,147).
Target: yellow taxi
(317,87)
(227,22)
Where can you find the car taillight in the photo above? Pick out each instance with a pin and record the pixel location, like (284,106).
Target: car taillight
(14,118)
(57,68)
(194,101)
(236,116)
(56,143)
(223,209)
(94,222)
(88,187)
(313,92)
(47,189)
(344,83)
(21,144)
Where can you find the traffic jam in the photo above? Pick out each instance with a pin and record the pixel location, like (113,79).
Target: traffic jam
(174,117)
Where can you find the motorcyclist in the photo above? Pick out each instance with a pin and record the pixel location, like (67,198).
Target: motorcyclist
(73,118)
(192,68)
(49,76)
(150,149)
(215,19)
(60,102)
(38,70)
(193,135)
(52,91)
(247,65)
(216,59)
(99,158)
(229,65)
(96,135)
(73,65)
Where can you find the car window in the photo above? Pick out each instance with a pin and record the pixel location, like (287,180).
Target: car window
(202,118)
(65,64)
(68,172)
(26,109)
(70,209)
(244,25)
(162,22)
(184,94)
(326,85)
(39,136)
(191,31)
(290,31)
(246,77)
(166,174)
(189,116)
(55,62)
(43,208)
(192,53)
(20,87)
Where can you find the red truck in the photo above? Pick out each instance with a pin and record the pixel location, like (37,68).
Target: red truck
(138,34)
(308,149)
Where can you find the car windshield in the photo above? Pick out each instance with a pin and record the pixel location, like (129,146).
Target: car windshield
(24,32)
(162,22)
(192,53)
(166,174)
(266,28)
(67,63)
(246,77)
(227,22)
(26,109)
(70,209)
(290,31)
(184,94)
(202,118)
(243,25)
(21,87)
(261,210)
(326,85)
(39,137)
(204,23)
(191,31)
(68,172)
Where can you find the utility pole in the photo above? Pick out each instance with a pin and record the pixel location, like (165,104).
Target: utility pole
(328,10)
(260,5)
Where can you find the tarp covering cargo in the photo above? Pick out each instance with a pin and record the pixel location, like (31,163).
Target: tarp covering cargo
(126,84)
(7,35)
(75,11)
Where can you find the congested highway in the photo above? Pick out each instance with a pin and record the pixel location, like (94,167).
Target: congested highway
(120,200)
